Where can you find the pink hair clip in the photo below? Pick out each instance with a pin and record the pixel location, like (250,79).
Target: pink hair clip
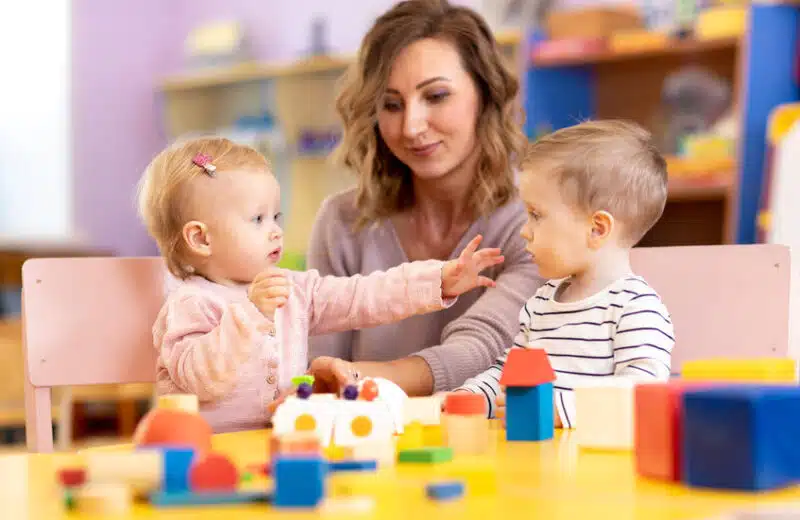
(204,161)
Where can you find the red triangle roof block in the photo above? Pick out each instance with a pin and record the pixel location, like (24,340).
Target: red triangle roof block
(527,367)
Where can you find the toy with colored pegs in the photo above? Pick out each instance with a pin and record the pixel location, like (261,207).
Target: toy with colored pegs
(369,390)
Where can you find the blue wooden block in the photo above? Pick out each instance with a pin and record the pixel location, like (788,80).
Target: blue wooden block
(188,498)
(742,437)
(176,469)
(299,481)
(529,413)
(353,465)
(445,490)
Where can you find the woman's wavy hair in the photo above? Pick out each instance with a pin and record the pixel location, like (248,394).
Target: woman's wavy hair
(384,182)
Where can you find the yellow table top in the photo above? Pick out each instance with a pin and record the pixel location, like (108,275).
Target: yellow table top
(549,480)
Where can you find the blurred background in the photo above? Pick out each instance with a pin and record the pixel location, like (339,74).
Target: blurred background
(94,88)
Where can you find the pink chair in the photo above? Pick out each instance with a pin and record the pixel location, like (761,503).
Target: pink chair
(85,321)
(725,301)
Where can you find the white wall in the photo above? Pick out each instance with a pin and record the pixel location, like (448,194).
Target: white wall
(35,156)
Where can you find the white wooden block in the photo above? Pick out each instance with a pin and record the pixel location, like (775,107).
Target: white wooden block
(424,410)
(394,397)
(294,412)
(362,421)
(382,451)
(103,500)
(141,470)
(604,410)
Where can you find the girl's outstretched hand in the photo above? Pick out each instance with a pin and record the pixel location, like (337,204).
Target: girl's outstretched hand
(463,274)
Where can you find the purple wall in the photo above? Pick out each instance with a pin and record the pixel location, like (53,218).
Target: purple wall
(121,50)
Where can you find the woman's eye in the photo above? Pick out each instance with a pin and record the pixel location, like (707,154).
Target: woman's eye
(438,97)
(391,106)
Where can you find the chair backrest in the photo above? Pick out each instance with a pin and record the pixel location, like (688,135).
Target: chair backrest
(725,301)
(86,321)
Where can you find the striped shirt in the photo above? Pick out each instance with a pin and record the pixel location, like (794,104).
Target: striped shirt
(622,331)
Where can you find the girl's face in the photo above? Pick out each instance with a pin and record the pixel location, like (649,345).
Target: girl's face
(236,230)
(428,115)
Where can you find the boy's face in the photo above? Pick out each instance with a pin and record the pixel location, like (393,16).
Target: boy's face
(557,233)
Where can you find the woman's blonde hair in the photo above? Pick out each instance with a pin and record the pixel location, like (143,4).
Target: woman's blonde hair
(384,182)
(164,190)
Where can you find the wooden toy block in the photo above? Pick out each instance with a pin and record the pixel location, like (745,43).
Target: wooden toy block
(103,500)
(172,427)
(362,421)
(72,477)
(334,452)
(658,429)
(299,481)
(412,438)
(353,465)
(306,443)
(605,414)
(188,498)
(466,428)
(754,370)
(391,395)
(425,410)
(306,415)
(359,483)
(140,470)
(431,455)
(381,450)
(433,435)
(177,462)
(742,437)
(213,472)
(528,378)
(444,490)
(184,402)
(522,424)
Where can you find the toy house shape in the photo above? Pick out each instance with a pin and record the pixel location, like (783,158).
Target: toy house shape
(528,378)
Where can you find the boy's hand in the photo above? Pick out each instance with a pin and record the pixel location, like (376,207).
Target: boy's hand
(500,405)
(269,291)
(463,274)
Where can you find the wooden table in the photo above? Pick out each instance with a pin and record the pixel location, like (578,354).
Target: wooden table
(548,480)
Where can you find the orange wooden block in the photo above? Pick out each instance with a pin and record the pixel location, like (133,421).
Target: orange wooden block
(214,472)
(463,403)
(172,427)
(527,367)
(658,429)
(297,443)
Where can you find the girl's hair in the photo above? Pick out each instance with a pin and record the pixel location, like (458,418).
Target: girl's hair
(164,190)
(384,182)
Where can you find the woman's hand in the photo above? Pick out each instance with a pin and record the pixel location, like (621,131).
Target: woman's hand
(463,274)
(332,375)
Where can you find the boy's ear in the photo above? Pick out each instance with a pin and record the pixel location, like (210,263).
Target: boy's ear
(196,236)
(602,225)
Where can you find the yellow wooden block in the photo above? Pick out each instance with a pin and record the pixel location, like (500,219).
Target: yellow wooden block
(412,438)
(478,473)
(333,452)
(754,370)
(433,435)
(184,402)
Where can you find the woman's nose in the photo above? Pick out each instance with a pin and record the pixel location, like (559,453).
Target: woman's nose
(415,121)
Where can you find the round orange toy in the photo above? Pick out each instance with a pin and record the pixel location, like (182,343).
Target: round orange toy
(171,427)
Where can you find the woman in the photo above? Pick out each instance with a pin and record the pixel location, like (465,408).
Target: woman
(430,129)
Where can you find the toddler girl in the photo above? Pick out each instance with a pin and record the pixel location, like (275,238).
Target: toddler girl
(234,328)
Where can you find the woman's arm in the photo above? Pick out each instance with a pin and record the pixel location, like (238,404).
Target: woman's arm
(326,254)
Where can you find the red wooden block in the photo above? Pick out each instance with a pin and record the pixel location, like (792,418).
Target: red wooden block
(527,367)
(72,477)
(658,432)
(214,472)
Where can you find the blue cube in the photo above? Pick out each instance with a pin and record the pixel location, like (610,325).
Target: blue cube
(177,462)
(299,481)
(742,437)
(529,413)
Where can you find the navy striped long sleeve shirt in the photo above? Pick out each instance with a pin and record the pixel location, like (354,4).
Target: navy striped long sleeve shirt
(622,331)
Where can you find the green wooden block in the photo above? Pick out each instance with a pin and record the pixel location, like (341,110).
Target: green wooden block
(429,455)
(306,378)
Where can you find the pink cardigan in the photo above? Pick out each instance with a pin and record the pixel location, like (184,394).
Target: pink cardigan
(213,342)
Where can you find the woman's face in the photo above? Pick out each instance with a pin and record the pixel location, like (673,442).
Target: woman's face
(428,115)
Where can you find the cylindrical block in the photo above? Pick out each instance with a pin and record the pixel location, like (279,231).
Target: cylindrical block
(466,434)
(141,470)
(185,402)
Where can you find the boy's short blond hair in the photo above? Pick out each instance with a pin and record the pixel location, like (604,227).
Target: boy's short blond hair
(605,165)
(163,194)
